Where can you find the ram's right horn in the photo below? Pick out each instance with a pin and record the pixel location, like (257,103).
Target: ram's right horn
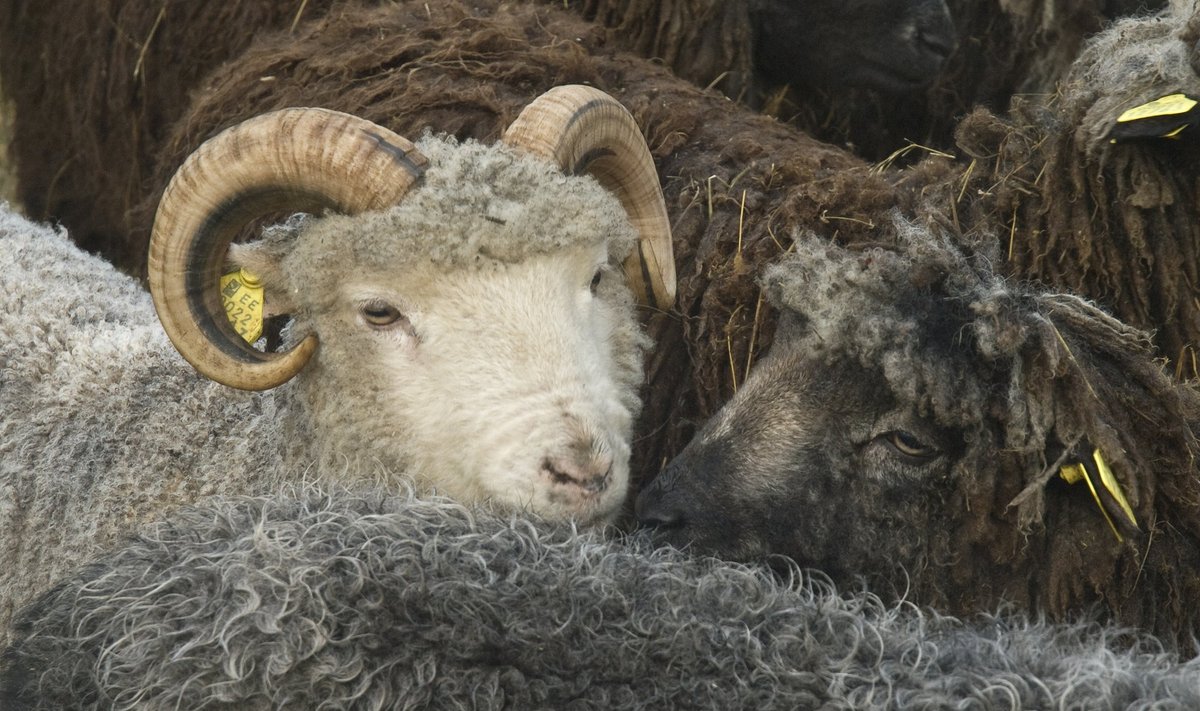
(296,160)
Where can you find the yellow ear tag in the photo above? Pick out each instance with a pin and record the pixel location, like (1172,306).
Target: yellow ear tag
(1166,106)
(1110,483)
(1165,117)
(242,295)
(1073,473)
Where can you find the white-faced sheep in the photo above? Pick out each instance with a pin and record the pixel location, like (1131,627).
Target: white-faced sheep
(476,338)
(909,426)
(354,601)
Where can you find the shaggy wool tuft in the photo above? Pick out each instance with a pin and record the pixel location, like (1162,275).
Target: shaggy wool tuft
(355,601)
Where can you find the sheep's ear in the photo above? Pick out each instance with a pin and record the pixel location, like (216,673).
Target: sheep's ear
(263,259)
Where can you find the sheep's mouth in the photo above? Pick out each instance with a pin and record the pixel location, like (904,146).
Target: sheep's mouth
(892,79)
(728,541)
(916,71)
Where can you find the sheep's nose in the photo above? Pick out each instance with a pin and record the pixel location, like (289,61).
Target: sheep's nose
(654,510)
(591,474)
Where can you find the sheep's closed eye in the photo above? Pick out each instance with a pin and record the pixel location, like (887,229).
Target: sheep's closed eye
(909,447)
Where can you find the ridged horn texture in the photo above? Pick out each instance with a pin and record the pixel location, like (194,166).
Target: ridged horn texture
(296,160)
(584,130)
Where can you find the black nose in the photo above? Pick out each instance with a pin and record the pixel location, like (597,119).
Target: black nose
(654,509)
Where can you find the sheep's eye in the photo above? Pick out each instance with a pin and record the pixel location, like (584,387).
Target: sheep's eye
(907,444)
(596,280)
(378,314)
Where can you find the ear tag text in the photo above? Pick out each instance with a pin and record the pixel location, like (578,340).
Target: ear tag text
(242,296)
(1095,471)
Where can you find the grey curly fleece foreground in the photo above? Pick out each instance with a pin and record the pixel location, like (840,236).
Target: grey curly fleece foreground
(362,602)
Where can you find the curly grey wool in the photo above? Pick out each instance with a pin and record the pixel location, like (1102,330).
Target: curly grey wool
(357,601)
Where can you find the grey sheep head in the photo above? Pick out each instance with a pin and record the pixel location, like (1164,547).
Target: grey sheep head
(891,46)
(908,429)
(460,319)
(814,461)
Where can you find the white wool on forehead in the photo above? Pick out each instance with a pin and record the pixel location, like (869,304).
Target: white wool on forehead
(475,203)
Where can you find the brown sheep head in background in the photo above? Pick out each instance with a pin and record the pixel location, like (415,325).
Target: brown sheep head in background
(884,45)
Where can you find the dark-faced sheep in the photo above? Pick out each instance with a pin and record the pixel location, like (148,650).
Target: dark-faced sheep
(892,46)
(460,322)
(909,427)
(750,47)
(353,601)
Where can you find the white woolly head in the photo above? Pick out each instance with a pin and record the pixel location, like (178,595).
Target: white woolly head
(479,336)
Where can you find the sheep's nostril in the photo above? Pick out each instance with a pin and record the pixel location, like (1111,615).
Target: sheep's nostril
(656,511)
(592,477)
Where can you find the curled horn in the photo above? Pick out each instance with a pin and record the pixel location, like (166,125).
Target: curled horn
(584,130)
(299,160)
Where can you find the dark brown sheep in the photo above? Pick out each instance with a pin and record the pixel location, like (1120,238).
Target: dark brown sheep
(90,121)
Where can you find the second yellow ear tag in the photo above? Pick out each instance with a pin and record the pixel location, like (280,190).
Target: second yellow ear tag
(1165,117)
(242,296)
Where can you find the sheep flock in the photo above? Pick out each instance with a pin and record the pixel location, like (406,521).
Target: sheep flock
(676,362)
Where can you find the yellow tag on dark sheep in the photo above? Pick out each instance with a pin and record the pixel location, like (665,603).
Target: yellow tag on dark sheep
(1165,106)
(1165,117)
(242,295)
(1096,471)
(1113,488)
